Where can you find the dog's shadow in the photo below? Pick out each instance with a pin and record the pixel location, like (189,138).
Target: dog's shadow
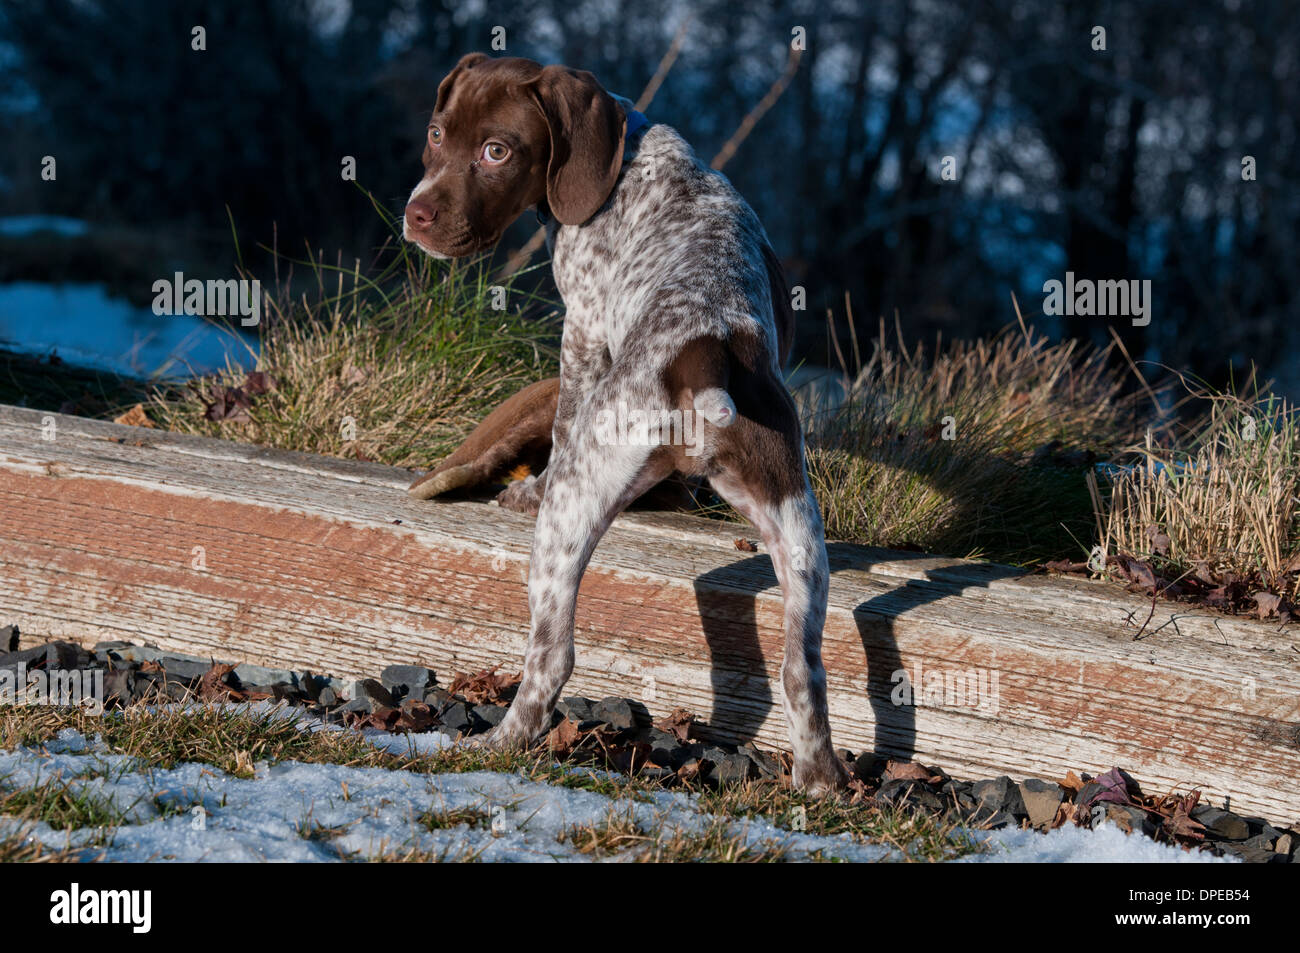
(743,690)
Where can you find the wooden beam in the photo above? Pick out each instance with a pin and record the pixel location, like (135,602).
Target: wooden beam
(291,560)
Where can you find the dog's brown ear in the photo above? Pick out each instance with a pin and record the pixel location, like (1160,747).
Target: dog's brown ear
(444,88)
(586,126)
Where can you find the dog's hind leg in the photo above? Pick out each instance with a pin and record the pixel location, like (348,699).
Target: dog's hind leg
(758,467)
(516,434)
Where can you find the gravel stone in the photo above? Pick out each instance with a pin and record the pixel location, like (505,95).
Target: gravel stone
(999,795)
(457,717)
(1221,825)
(575,708)
(732,768)
(767,764)
(361,706)
(179,667)
(375,691)
(407,681)
(490,715)
(1041,799)
(615,712)
(29,657)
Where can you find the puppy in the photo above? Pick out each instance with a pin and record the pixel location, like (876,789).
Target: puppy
(677,322)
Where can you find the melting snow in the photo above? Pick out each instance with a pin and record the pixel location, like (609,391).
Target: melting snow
(312,812)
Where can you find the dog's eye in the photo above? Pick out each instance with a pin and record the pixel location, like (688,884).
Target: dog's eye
(435,136)
(495,152)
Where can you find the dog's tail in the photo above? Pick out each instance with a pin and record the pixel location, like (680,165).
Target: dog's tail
(716,406)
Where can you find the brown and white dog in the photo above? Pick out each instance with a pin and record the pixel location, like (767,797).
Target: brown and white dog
(677,317)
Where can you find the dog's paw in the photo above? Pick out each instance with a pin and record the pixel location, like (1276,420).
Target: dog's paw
(500,738)
(522,496)
(820,777)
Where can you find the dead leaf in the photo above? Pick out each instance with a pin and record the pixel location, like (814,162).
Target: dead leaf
(1140,573)
(1158,541)
(1114,789)
(1267,604)
(1064,566)
(135,417)
(677,723)
(230,404)
(745,546)
(384,718)
(259,382)
(484,686)
(1072,782)
(1064,814)
(213,686)
(1180,826)
(690,770)
(910,771)
(564,737)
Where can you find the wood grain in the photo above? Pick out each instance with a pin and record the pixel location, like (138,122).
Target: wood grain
(285,559)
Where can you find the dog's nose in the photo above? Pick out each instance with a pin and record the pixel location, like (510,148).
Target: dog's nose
(420,215)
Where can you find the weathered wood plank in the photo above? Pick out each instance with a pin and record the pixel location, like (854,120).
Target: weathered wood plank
(284,559)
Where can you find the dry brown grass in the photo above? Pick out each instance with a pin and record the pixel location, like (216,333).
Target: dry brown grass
(1220,499)
(397,367)
(978,448)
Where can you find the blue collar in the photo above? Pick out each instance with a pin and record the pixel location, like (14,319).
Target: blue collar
(636,122)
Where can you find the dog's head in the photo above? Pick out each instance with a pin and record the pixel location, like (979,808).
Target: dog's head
(507,134)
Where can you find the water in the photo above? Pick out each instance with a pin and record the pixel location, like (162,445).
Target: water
(88,328)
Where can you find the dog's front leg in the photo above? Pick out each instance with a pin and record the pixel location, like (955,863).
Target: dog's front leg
(589,483)
(582,365)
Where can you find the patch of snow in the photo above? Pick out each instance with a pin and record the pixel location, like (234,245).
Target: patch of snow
(1071,845)
(323,812)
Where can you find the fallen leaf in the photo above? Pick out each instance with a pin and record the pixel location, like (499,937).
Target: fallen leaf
(135,417)
(1064,566)
(745,546)
(1158,541)
(1140,573)
(258,382)
(910,771)
(677,723)
(484,686)
(229,404)
(1072,782)
(1065,812)
(1114,789)
(384,718)
(1267,604)
(564,737)
(213,685)
(1180,826)
(858,791)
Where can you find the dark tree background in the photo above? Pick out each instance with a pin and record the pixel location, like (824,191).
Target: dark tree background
(1116,163)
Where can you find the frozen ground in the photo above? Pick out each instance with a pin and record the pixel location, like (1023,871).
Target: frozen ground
(312,812)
